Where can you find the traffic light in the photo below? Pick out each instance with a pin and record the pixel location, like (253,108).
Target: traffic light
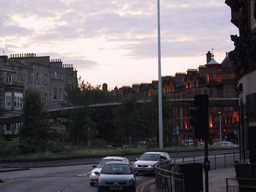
(200,117)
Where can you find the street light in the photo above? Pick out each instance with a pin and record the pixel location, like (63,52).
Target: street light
(159,81)
(220,125)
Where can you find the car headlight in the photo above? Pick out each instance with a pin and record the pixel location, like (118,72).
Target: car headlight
(150,166)
(93,174)
(101,181)
(135,165)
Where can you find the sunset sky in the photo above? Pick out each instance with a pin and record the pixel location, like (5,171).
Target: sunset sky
(115,41)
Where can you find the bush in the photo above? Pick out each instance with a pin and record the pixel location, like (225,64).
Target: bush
(9,148)
(25,148)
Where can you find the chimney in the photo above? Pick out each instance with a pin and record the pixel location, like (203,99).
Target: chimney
(208,57)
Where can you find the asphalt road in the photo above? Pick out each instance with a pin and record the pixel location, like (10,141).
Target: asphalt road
(69,175)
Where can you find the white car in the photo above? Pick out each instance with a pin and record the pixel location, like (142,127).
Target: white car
(224,143)
(97,168)
(146,163)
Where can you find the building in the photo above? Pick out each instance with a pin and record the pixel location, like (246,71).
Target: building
(243,16)
(217,80)
(21,72)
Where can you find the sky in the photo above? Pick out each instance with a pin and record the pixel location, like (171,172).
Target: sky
(116,41)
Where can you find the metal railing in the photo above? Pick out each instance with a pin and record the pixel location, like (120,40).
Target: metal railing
(217,160)
(234,185)
(245,180)
(167,179)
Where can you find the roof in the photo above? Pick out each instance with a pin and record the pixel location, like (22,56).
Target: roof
(117,162)
(113,157)
(212,62)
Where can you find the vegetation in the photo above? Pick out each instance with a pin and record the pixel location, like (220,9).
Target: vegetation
(90,132)
(35,130)
(70,151)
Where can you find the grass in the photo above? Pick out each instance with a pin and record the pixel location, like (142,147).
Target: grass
(101,152)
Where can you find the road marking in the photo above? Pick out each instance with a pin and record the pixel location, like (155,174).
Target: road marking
(143,185)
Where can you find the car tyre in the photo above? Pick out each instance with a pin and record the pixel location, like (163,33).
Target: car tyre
(92,184)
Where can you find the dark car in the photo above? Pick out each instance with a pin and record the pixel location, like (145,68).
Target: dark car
(117,176)
(97,168)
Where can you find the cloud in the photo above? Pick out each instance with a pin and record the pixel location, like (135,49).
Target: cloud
(93,33)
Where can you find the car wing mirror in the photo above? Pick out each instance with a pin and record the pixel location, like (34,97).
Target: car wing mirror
(94,166)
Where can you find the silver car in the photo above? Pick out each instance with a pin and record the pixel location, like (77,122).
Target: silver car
(146,163)
(97,168)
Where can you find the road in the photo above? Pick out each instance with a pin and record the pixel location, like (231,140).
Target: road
(66,178)
(60,179)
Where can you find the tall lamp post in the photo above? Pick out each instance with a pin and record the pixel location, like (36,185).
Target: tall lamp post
(220,126)
(159,81)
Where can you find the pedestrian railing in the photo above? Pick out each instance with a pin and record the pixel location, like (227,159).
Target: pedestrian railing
(234,185)
(167,178)
(245,180)
(216,161)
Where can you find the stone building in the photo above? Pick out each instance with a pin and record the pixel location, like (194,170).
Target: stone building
(21,72)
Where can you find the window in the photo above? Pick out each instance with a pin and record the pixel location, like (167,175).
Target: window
(29,76)
(45,79)
(8,101)
(61,94)
(55,94)
(56,75)
(62,76)
(19,73)
(228,92)
(18,103)
(8,129)
(37,77)
(9,79)
(46,99)
(17,126)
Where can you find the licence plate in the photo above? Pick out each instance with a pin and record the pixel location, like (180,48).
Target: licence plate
(116,188)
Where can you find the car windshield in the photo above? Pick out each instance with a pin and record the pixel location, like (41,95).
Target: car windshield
(116,169)
(103,161)
(150,157)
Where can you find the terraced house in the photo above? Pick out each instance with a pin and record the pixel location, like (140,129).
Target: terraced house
(23,71)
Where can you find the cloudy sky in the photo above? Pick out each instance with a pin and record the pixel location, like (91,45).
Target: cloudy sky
(115,41)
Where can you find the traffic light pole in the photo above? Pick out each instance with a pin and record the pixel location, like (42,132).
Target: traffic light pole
(206,165)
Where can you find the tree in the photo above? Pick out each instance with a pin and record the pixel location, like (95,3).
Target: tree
(124,120)
(78,123)
(150,115)
(35,129)
(81,93)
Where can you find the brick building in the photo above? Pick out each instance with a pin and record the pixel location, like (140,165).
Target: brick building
(23,71)
(214,79)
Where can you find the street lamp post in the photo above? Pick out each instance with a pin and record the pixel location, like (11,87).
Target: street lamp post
(220,126)
(159,81)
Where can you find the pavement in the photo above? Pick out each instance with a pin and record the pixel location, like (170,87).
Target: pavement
(217,178)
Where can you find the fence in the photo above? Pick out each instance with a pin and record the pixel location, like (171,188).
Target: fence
(217,161)
(245,180)
(167,179)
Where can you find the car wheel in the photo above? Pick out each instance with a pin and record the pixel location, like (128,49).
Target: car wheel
(92,184)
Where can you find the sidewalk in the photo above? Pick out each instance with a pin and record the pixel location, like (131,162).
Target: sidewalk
(217,180)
